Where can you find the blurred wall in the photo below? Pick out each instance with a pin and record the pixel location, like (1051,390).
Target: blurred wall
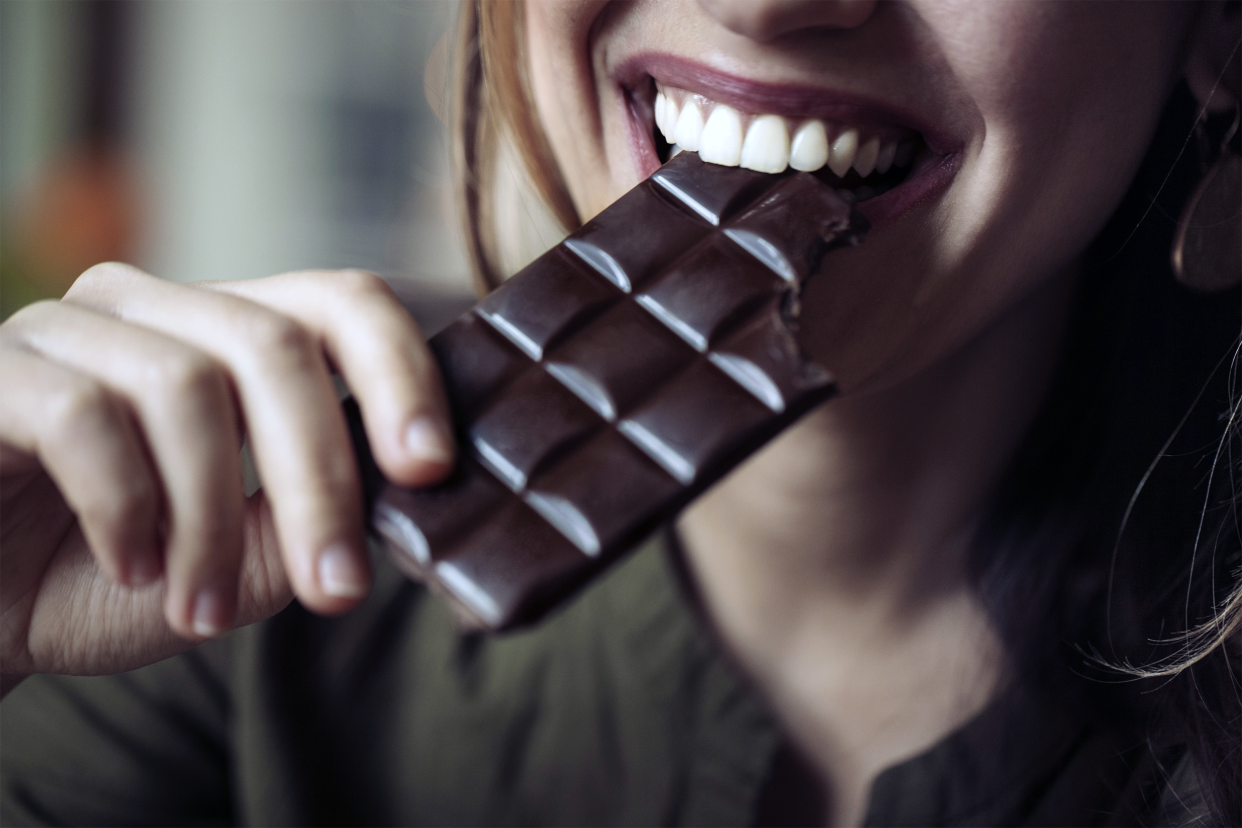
(39,65)
(247,137)
(41,56)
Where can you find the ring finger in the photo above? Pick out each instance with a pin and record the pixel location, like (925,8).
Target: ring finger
(186,410)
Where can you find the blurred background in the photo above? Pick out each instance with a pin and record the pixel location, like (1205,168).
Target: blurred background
(227,139)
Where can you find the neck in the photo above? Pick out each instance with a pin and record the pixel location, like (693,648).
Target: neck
(833,563)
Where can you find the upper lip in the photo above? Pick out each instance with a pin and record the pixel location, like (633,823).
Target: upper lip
(792,100)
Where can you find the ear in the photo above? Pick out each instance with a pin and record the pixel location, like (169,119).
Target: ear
(1213,56)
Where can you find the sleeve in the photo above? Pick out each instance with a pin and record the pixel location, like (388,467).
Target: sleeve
(142,748)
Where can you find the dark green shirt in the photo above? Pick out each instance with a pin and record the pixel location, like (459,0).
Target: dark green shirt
(617,711)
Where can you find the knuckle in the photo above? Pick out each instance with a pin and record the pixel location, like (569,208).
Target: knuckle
(97,275)
(340,473)
(279,336)
(189,374)
(31,316)
(363,283)
(129,502)
(79,402)
(211,542)
(34,312)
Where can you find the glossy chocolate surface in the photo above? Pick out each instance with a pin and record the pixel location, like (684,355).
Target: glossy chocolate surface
(612,380)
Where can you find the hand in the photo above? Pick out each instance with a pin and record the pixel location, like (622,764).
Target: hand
(125,535)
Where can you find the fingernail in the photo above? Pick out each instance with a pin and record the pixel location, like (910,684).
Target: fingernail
(208,614)
(427,440)
(340,574)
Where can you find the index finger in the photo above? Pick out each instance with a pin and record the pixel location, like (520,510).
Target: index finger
(382,355)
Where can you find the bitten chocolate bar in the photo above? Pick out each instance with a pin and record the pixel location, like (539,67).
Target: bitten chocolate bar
(600,389)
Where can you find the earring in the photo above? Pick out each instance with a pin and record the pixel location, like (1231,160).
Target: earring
(1207,251)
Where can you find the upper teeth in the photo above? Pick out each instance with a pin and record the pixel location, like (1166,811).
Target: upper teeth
(765,145)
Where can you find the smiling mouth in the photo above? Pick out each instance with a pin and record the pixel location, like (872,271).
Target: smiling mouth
(863,160)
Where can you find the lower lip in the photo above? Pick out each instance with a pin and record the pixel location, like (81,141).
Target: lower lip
(921,187)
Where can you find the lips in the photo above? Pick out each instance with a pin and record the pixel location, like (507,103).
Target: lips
(885,158)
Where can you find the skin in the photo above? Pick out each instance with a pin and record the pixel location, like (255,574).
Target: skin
(121,503)
(832,563)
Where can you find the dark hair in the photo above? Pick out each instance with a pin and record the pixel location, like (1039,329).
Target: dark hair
(1114,533)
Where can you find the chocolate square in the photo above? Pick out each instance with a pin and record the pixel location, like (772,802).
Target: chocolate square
(547,301)
(423,523)
(704,293)
(475,363)
(764,358)
(598,518)
(643,233)
(695,422)
(536,419)
(621,357)
(701,188)
(509,567)
(792,225)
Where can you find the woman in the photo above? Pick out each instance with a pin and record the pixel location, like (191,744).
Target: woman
(884,604)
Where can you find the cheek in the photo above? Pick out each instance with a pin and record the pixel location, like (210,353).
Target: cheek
(1068,94)
(1067,97)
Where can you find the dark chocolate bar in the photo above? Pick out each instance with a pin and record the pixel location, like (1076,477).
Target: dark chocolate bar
(600,389)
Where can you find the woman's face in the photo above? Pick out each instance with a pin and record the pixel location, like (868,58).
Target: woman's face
(1028,120)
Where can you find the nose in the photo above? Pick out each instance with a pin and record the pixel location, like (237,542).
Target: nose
(765,20)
